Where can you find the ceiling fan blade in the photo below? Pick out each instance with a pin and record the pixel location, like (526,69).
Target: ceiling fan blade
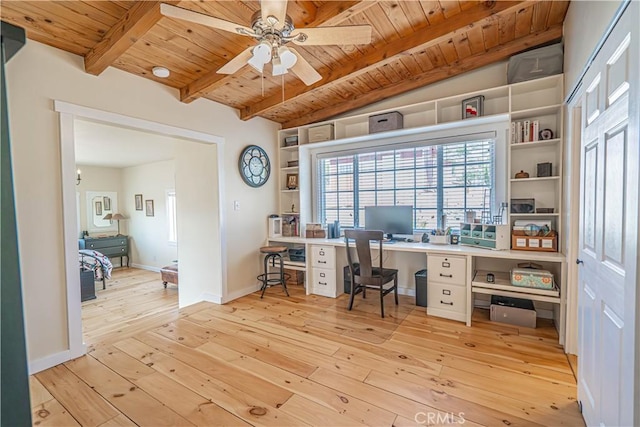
(352,34)
(275,8)
(304,70)
(236,63)
(200,18)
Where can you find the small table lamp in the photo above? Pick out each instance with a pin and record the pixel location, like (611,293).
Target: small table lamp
(117,217)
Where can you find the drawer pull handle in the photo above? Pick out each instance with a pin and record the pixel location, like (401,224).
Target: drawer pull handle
(322,283)
(446,275)
(446,292)
(322,262)
(476,242)
(446,303)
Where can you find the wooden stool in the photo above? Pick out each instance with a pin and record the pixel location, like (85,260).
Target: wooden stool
(273,254)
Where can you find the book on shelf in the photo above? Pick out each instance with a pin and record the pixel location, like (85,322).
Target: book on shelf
(525,131)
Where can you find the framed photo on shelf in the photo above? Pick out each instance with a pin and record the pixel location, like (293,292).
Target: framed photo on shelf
(149,207)
(139,202)
(292,181)
(473,107)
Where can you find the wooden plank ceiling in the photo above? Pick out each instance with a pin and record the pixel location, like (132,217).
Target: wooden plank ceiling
(414,43)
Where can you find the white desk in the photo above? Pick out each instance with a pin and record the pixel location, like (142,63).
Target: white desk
(477,259)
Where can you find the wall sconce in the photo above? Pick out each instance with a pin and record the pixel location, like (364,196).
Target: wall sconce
(78,179)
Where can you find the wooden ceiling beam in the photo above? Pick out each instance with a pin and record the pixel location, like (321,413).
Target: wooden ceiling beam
(431,35)
(134,24)
(478,60)
(331,13)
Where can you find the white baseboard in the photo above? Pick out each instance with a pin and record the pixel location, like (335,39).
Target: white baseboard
(52,360)
(216,299)
(146,267)
(240,293)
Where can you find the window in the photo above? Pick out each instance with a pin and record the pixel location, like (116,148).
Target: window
(171,216)
(441,182)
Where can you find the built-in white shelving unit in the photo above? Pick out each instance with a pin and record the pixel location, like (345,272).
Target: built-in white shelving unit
(539,100)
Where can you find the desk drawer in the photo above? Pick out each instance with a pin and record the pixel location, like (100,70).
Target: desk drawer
(323,282)
(446,269)
(446,297)
(323,256)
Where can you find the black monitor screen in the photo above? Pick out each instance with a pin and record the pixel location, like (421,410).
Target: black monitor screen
(390,219)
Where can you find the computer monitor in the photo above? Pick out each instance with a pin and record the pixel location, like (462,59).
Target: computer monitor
(390,219)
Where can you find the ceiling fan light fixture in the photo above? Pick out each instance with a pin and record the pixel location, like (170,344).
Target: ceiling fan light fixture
(261,55)
(284,60)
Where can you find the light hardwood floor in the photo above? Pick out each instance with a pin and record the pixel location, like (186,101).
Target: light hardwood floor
(302,360)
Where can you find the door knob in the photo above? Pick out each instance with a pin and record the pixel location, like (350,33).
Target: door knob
(579,261)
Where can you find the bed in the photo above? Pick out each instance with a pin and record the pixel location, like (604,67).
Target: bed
(96,262)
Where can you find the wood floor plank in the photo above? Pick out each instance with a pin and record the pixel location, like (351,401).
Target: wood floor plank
(239,403)
(228,373)
(51,413)
(297,360)
(344,404)
(133,402)
(316,414)
(37,392)
(190,333)
(194,407)
(119,421)
(443,401)
(88,408)
(265,339)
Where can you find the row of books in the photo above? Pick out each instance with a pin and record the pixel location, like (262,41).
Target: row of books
(525,131)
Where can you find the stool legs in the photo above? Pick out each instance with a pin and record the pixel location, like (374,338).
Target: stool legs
(265,277)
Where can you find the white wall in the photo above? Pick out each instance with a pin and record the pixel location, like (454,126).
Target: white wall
(95,178)
(584,25)
(148,236)
(37,76)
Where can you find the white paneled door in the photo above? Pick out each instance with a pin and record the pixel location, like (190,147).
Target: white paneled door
(608,278)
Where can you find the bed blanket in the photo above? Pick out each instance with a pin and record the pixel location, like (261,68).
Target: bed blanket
(96,261)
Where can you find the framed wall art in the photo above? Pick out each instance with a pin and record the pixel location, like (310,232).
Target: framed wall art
(473,107)
(149,207)
(138,202)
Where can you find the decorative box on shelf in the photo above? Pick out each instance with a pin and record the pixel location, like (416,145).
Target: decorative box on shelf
(385,122)
(315,231)
(489,236)
(530,275)
(321,133)
(546,243)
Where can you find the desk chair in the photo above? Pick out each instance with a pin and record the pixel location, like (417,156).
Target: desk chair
(364,275)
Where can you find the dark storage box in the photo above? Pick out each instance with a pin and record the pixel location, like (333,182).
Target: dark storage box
(514,311)
(296,254)
(385,122)
(421,288)
(534,64)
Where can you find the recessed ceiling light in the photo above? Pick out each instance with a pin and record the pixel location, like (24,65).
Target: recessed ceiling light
(161,72)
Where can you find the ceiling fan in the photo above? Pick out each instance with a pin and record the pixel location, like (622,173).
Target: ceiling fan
(273,29)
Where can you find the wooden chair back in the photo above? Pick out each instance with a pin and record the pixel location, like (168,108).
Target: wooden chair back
(363,239)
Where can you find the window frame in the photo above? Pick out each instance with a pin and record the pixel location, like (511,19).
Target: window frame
(494,127)
(172,217)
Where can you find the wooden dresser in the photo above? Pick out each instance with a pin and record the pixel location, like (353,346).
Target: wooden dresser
(112,246)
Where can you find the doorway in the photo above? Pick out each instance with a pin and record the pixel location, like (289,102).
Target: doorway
(199,213)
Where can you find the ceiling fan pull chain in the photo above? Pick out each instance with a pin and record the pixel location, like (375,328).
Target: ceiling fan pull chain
(282,86)
(262,83)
